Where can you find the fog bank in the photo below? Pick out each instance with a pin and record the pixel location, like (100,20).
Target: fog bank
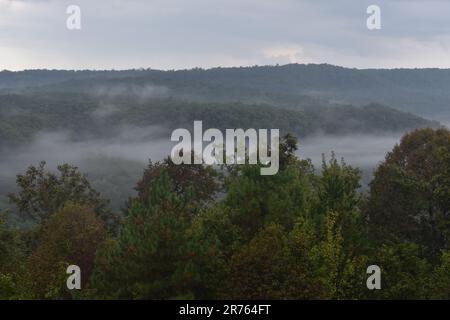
(114,165)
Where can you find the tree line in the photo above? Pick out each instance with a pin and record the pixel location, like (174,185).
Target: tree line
(199,232)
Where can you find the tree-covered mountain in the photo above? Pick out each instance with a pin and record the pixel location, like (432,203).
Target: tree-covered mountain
(111,122)
(422,91)
(88,116)
(203,232)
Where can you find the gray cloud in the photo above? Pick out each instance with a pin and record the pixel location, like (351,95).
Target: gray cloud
(169,34)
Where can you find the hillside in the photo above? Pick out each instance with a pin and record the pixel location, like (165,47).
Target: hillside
(85,116)
(422,91)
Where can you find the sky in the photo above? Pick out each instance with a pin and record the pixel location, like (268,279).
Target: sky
(183,34)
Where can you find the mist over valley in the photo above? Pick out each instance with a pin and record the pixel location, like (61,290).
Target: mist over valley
(111,123)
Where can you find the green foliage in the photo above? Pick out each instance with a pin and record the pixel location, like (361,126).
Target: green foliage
(409,196)
(406,272)
(440,278)
(68,237)
(42,193)
(299,234)
(11,259)
(200,182)
(78,115)
(8,289)
(148,258)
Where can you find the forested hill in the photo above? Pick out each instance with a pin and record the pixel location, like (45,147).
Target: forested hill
(86,117)
(425,92)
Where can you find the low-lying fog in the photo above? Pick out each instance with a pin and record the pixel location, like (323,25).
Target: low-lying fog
(362,151)
(115,165)
(357,150)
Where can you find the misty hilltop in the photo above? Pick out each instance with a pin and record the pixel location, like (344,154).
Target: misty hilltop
(109,123)
(425,92)
(302,99)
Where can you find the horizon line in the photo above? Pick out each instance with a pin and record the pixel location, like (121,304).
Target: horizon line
(219,67)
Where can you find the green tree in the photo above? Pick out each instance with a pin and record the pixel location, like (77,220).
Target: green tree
(199,180)
(41,193)
(254,201)
(440,278)
(341,271)
(337,188)
(276,264)
(11,259)
(71,236)
(405,272)
(409,195)
(147,260)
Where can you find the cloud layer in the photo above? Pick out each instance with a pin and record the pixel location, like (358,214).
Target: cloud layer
(176,34)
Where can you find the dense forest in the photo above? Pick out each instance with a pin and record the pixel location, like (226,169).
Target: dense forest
(85,180)
(421,91)
(87,117)
(295,235)
(109,123)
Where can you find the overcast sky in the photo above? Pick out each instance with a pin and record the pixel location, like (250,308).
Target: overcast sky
(178,34)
